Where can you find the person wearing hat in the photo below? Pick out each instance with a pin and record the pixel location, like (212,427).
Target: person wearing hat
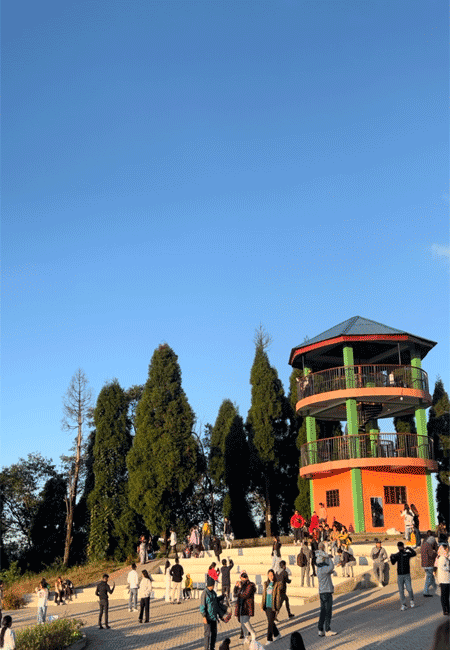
(209,609)
(379,558)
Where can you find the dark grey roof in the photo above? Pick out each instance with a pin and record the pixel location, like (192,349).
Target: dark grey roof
(356,326)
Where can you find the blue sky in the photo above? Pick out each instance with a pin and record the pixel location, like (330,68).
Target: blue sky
(183,171)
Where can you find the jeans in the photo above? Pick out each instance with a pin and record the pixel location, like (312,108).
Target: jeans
(247,626)
(132,601)
(304,571)
(429,579)
(402,582)
(326,608)
(206,542)
(145,607)
(445,594)
(407,533)
(103,604)
(210,635)
(271,627)
(42,614)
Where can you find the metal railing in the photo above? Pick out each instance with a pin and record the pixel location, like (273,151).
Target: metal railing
(367,445)
(362,376)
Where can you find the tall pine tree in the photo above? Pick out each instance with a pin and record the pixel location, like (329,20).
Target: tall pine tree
(439,432)
(112,527)
(266,424)
(164,461)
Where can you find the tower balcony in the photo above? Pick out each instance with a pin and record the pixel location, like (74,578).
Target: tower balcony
(398,389)
(392,450)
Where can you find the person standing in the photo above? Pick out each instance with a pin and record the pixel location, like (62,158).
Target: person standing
(133,585)
(209,609)
(7,636)
(443,576)
(245,604)
(176,573)
(173,542)
(59,591)
(304,562)
(188,584)
(282,577)
(408,519)
(217,548)
(416,524)
(379,558)
(42,595)
(226,581)
(142,549)
(227,532)
(168,581)
(297,522)
(206,534)
(322,514)
(102,591)
(325,568)
(270,604)
(402,559)
(145,590)
(428,554)
(276,553)
(314,523)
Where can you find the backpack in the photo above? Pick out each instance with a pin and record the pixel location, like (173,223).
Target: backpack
(301,559)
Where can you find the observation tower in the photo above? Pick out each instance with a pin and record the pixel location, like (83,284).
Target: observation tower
(360,372)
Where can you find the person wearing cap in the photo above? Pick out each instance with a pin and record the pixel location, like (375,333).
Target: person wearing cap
(325,568)
(209,609)
(245,605)
(379,558)
(402,559)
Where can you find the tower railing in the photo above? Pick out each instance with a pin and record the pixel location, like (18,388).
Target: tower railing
(367,445)
(362,376)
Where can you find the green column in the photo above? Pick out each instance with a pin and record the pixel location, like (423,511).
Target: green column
(311,495)
(354,447)
(416,365)
(431,507)
(374,431)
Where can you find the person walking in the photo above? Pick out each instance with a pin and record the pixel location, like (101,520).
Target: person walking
(226,581)
(245,604)
(284,580)
(7,636)
(276,553)
(188,584)
(168,581)
(210,610)
(103,590)
(428,555)
(297,522)
(325,568)
(304,562)
(176,573)
(443,576)
(145,591)
(379,558)
(133,586)
(42,595)
(270,604)
(402,559)
(227,533)
(217,548)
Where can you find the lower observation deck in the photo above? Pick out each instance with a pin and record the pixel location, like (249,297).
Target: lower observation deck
(391,450)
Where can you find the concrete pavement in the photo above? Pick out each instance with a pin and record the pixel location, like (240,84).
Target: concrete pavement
(364,619)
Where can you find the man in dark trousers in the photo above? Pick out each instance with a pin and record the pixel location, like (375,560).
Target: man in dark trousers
(401,559)
(102,591)
(225,573)
(209,609)
(284,580)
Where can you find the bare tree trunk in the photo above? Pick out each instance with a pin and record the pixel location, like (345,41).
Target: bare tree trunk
(70,501)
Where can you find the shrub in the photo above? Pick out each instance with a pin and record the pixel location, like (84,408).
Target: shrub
(56,635)
(13,598)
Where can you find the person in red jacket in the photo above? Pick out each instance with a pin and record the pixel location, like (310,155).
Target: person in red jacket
(314,522)
(297,523)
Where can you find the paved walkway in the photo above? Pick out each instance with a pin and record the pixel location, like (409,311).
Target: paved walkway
(364,619)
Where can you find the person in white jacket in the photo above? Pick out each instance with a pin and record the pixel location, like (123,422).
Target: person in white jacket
(145,590)
(443,576)
(168,581)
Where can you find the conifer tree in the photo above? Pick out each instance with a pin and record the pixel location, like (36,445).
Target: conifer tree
(439,432)
(163,463)
(112,531)
(266,424)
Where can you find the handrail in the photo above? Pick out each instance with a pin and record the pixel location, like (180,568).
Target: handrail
(362,376)
(367,445)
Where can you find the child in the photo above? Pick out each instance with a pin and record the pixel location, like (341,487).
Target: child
(7,637)
(187,587)
(42,593)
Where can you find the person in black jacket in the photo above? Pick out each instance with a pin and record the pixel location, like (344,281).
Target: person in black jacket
(402,559)
(226,582)
(284,580)
(102,591)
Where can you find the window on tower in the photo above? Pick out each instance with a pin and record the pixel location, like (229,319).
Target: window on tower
(332,498)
